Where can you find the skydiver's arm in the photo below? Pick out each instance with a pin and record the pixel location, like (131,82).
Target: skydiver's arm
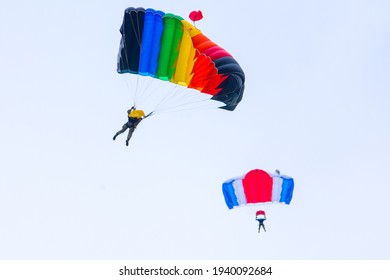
(137,123)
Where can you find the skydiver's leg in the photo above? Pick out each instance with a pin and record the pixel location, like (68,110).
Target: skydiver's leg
(124,127)
(131,130)
(261,224)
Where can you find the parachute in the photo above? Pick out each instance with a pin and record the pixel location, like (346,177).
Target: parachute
(166,47)
(258,187)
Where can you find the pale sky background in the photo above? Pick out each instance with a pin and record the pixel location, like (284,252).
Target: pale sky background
(316,106)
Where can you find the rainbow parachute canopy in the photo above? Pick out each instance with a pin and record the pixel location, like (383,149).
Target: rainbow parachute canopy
(167,47)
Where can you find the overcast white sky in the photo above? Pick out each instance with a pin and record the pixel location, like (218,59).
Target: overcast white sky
(316,106)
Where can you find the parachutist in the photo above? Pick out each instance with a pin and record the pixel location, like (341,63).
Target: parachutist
(260,217)
(134,118)
(261,224)
(258,187)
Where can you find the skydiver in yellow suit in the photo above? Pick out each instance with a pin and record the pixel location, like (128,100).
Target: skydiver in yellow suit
(134,118)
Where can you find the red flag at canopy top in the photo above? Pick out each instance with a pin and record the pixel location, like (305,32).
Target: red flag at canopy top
(196,15)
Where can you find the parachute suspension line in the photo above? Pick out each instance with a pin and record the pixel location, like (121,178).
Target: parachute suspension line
(184,107)
(130,82)
(176,94)
(138,37)
(125,60)
(186,99)
(131,85)
(174,97)
(168,110)
(149,115)
(166,99)
(137,32)
(140,95)
(136,92)
(146,94)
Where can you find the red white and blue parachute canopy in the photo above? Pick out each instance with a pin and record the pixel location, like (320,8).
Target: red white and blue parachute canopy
(258,187)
